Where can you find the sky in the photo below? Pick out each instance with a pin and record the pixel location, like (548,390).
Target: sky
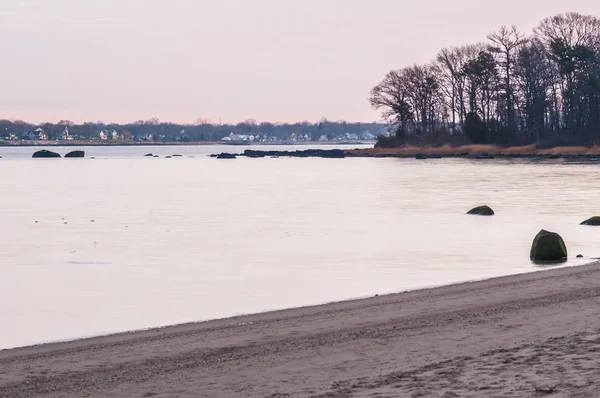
(229,60)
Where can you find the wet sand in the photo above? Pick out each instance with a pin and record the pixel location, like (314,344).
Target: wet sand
(528,335)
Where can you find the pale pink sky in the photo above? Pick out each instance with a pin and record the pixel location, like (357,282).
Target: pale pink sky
(275,60)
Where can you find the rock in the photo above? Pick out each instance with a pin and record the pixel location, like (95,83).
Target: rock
(225,155)
(168,157)
(318,153)
(420,156)
(155,156)
(481,211)
(177,156)
(149,155)
(75,154)
(594,221)
(45,154)
(548,247)
(580,256)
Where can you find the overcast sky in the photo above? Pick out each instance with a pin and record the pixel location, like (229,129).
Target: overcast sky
(271,60)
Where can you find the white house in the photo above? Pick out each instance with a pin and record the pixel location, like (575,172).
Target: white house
(42,136)
(103,135)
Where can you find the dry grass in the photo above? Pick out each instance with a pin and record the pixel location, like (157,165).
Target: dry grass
(447,150)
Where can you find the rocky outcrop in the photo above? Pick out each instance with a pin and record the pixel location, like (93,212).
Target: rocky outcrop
(226,156)
(75,154)
(45,154)
(548,247)
(594,221)
(307,153)
(481,211)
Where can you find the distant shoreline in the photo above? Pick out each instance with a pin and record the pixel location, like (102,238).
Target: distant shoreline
(9,144)
(477,151)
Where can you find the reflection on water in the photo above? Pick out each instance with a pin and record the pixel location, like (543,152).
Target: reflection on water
(187,239)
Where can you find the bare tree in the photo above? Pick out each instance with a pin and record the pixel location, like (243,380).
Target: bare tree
(506,42)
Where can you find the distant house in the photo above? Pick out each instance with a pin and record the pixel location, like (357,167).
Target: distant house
(103,135)
(116,136)
(323,138)
(66,135)
(41,134)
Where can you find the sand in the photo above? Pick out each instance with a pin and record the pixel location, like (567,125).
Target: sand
(529,335)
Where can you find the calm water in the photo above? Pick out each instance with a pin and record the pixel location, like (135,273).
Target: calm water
(188,239)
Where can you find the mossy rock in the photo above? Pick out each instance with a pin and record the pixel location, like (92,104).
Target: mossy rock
(548,247)
(594,221)
(481,211)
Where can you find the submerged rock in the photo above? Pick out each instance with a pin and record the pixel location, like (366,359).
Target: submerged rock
(45,154)
(226,156)
(481,211)
(594,221)
(548,247)
(75,154)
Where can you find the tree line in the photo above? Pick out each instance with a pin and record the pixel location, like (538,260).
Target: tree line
(515,88)
(201,130)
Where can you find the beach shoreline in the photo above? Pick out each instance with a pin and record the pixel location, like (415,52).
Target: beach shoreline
(515,335)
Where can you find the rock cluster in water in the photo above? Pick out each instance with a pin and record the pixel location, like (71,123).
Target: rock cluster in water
(307,153)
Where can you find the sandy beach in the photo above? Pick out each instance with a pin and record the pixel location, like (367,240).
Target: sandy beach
(527,335)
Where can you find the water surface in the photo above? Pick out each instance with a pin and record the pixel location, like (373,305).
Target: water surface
(120,242)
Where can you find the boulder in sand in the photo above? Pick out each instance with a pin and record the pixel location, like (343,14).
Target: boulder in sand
(75,154)
(548,247)
(44,153)
(481,211)
(594,221)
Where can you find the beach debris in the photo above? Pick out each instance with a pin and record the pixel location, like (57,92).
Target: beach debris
(481,211)
(594,221)
(44,153)
(548,247)
(75,154)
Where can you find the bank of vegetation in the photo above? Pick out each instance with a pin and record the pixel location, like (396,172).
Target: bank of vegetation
(514,89)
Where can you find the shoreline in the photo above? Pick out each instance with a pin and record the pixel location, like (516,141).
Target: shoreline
(150,330)
(372,345)
(478,152)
